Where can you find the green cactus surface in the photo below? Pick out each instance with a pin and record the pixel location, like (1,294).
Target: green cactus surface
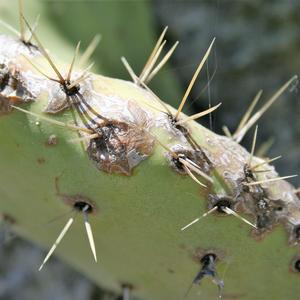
(132,176)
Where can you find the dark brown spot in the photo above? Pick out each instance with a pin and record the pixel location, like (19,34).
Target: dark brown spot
(195,156)
(4,80)
(297,265)
(221,202)
(83,206)
(78,202)
(70,91)
(41,160)
(5,105)
(297,232)
(8,218)
(120,147)
(30,46)
(200,253)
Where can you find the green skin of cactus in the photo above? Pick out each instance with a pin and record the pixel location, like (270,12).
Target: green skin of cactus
(138,219)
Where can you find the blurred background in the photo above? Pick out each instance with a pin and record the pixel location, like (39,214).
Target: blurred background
(257,47)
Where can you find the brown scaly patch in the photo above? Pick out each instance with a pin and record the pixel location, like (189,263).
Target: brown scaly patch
(12,89)
(120,147)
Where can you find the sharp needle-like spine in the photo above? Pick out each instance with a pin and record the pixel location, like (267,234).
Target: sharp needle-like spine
(253,146)
(61,124)
(10,28)
(73,62)
(193,176)
(85,57)
(22,30)
(198,219)
(226,131)
(43,50)
(249,111)
(191,84)
(90,234)
(149,71)
(229,211)
(155,49)
(39,70)
(130,70)
(78,80)
(198,115)
(240,135)
(163,104)
(265,162)
(193,166)
(84,138)
(269,180)
(34,27)
(58,240)
(152,63)
(162,63)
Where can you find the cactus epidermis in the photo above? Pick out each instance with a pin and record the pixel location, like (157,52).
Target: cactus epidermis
(141,173)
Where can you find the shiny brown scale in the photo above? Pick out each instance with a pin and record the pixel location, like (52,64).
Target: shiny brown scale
(12,89)
(119,147)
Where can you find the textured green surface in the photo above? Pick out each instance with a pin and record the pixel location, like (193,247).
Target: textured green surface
(137,227)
